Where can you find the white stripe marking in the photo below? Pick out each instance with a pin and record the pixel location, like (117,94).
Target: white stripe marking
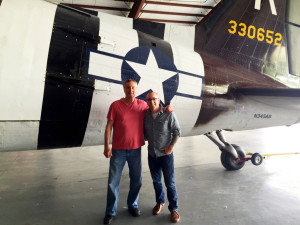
(273,8)
(187,111)
(190,85)
(105,66)
(257,4)
(272,5)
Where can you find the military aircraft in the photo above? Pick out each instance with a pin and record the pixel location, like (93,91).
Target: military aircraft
(61,67)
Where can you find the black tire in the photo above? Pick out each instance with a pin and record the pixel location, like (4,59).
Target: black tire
(256,159)
(229,162)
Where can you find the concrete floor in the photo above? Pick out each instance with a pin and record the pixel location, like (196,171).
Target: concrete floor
(68,186)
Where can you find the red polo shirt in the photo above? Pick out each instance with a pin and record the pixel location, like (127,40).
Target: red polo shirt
(128,123)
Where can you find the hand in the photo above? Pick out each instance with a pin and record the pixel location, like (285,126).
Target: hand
(168,150)
(107,152)
(168,109)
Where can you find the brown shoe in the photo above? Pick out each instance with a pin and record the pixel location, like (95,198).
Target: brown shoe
(175,216)
(157,209)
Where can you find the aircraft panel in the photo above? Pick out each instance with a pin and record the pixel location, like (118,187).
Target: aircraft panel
(293,33)
(186,110)
(105,65)
(116,34)
(191,72)
(254,111)
(183,36)
(294,65)
(104,94)
(18,135)
(22,79)
(190,85)
(169,17)
(170,8)
(154,29)
(68,93)
(293,11)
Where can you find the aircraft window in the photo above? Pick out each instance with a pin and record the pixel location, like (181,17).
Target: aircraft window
(293,33)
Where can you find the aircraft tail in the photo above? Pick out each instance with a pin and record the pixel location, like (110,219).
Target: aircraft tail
(260,35)
(233,24)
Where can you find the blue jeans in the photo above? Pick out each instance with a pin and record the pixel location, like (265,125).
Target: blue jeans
(165,165)
(117,162)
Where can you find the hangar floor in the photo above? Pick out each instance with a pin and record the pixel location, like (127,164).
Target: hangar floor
(68,186)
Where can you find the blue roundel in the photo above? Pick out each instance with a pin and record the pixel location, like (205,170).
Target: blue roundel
(140,55)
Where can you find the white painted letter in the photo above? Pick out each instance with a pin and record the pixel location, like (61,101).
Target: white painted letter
(272,5)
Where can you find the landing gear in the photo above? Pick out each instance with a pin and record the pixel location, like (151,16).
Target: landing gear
(232,156)
(231,163)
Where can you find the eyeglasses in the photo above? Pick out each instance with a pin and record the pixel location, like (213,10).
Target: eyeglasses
(151,99)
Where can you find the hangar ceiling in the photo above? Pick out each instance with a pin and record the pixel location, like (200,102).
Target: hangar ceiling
(185,12)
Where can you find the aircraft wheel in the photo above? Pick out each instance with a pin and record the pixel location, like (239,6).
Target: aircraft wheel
(229,162)
(256,159)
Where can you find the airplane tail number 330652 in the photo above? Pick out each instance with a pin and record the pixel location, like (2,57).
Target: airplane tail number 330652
(252,32)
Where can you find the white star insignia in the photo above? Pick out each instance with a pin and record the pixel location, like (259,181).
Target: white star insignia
(152,76)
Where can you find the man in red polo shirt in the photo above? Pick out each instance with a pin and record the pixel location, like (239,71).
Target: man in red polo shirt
(125,117)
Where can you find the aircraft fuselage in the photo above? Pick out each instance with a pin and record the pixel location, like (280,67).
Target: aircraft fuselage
(61,68)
